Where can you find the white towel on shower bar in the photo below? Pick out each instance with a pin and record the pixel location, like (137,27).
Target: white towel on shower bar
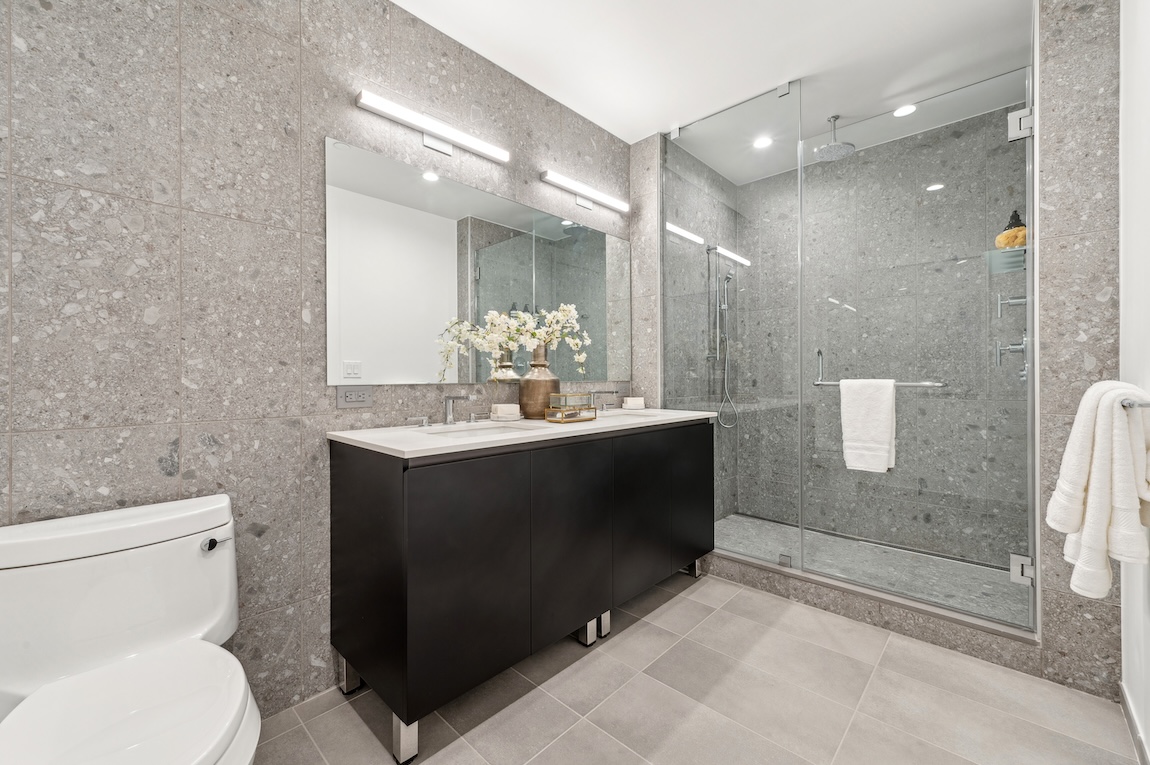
(1101,496)
(868,424)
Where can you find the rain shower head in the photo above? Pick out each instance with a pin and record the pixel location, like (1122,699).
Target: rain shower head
(834,150)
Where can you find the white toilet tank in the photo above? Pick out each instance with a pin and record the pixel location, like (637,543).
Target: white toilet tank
(83,591)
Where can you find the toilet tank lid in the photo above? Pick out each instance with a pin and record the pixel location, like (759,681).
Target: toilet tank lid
(82,536)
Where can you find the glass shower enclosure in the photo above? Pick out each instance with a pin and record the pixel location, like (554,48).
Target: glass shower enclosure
(785,272)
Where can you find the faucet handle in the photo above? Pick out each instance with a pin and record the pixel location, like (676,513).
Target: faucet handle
(423,423)
(476,417)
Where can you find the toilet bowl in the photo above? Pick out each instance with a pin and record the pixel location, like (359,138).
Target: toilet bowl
(112,657)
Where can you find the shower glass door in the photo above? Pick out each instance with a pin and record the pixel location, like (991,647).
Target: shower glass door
(902,280)
(884,260)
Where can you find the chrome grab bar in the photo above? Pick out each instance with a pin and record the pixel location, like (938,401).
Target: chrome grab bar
(925,384)
(1130,403)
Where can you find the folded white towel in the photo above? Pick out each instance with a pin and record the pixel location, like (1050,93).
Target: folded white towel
(1101,486)
(868,424)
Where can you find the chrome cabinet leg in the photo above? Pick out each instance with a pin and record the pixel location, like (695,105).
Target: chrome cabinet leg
(694,569)
(604,620)
(404,740)
(349,679)
(586,633)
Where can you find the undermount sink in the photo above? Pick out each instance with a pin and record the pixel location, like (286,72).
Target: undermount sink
(470,430)
(613,413)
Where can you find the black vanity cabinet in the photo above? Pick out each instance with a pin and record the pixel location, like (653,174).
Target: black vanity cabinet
(448,569)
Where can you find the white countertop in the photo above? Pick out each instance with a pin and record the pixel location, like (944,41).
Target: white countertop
(416,441)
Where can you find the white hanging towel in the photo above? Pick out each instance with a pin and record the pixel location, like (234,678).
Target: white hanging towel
(1102,495)
(868,424)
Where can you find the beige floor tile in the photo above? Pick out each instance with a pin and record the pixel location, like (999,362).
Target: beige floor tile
(796,719)
(838,633)
(278,724)
(711,590)
(360,732)
(584,685)
(292,748)
(667,728)
(870,742)
(640,645)
(516,734)
(828,673)
(480,704)
(680,615)
(586,745)
(1079,715)
(982,734)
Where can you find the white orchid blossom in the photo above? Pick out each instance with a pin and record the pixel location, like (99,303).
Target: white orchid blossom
(511,331)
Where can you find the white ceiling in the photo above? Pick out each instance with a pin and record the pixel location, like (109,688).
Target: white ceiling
(637,67)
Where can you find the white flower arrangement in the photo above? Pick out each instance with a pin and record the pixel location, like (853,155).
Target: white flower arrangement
(511,331)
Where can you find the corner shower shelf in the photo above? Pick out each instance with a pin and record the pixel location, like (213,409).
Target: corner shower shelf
(1006,261)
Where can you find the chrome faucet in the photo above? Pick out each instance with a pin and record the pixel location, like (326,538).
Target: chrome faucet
(449,406)
(602,407)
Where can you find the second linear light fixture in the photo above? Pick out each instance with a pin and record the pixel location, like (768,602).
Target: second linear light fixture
(699,240)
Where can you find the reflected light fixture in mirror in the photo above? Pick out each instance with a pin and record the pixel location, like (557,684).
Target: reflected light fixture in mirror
(430,176)
(433,127)
(935,187)
(582,190)
(762,142)
(684,233)
(903,111)
(732,256)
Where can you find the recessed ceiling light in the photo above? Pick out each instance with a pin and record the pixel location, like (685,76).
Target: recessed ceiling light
(430,176)
(762,142)
(902,111)
(565,223)
(934,187)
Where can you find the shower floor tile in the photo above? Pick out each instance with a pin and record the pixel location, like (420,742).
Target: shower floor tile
(967,587)
(760,679)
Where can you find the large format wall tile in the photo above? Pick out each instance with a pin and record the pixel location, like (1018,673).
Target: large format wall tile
(241,120)
(1078,314)
(1081,643)
(256,462)
(278,17)
(6,515)
(71,472)
(78,71)
(270,647)
(5,301)
(96,309)
(355,33)
(241,316)
(1078,81)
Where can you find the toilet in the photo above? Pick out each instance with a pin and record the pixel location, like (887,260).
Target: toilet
(110,633)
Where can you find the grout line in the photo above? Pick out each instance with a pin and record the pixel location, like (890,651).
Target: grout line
(180,248)
(311,738)
(289,730)
(855,713)
(10,264)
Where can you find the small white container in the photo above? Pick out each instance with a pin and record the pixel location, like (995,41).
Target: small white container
(505,412)
(633,402)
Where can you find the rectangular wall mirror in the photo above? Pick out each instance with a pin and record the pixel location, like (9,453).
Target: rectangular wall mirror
(406,255)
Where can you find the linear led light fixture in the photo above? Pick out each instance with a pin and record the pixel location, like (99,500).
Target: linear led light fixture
(728,254)
(583,192)
(428,125)
(684,233)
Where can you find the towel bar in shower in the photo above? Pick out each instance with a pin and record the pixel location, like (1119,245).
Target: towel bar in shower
(925,384)
(1130,403)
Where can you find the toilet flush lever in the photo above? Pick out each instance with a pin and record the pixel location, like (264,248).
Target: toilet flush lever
(212,543)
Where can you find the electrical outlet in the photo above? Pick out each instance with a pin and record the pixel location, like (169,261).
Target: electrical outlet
(352,369)
(352,396)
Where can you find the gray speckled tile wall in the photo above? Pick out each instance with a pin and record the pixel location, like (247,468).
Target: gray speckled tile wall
(173,344)
(1078,73)
(257,463)
(69,472)
(239,81)
(96,309)
(77,113)
(241,318)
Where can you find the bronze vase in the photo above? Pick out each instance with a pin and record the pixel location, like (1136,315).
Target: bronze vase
(504,371)
(536,387)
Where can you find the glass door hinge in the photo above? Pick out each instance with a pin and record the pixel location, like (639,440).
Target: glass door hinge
(1020,124)
(1022,569)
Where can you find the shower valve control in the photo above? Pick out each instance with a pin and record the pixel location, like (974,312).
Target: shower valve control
(212,543)
(1000,349)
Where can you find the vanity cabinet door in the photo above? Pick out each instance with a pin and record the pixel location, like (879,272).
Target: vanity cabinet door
(641,522)
(468,575)
(693,494)
(570,538)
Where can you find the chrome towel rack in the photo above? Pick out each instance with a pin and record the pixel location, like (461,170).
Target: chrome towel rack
(1130,403)
(925,384)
